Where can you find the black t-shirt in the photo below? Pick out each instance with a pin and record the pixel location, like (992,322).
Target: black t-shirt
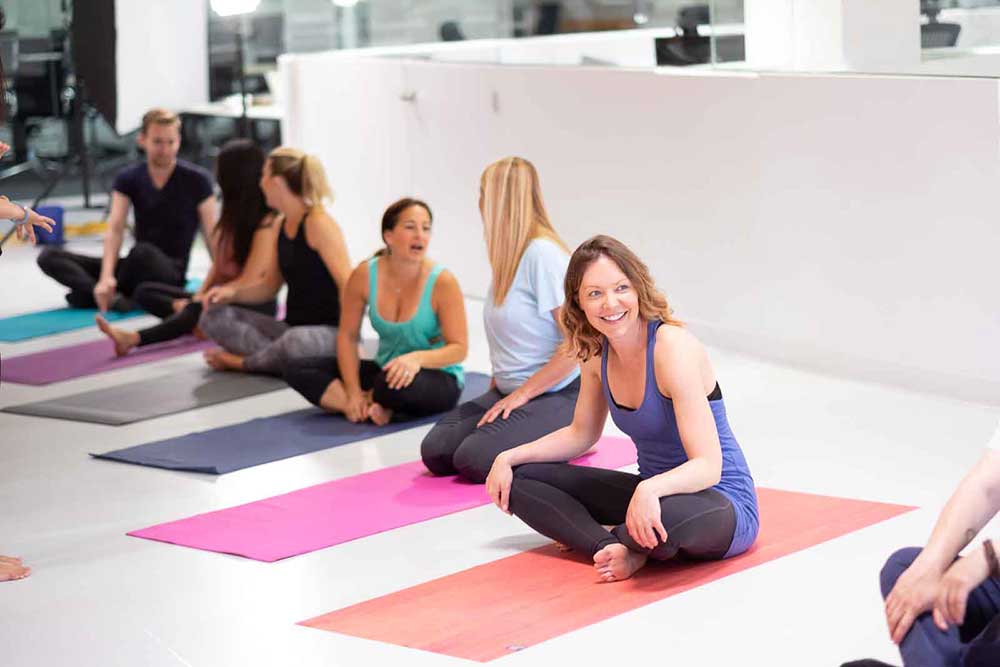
(167,218)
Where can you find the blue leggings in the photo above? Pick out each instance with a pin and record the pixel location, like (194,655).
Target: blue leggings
(976,643)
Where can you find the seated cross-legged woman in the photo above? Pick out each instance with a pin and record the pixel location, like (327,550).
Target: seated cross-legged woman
(417,309)
(694,496)
(244,241)
(311,258)
(534,386)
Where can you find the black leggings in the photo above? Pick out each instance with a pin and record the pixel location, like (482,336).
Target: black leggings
(572,504)
(185,320)
(432,390)
(144,263)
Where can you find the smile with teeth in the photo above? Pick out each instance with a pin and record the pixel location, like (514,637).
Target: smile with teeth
(613,318)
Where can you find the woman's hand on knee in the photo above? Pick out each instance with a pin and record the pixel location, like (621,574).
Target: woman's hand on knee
(499,481)
(643,518)
(504,406)
(913,594)
(399,372)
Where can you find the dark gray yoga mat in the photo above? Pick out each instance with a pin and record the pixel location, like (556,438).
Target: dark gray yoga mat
(154,397)
(229,448)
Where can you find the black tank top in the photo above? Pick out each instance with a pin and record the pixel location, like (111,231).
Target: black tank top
(312,296)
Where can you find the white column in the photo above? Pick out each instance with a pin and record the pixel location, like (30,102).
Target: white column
(856,35)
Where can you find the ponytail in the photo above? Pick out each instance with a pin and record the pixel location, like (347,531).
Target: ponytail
(304,174)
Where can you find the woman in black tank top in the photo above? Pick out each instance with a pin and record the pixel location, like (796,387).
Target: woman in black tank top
(310,257)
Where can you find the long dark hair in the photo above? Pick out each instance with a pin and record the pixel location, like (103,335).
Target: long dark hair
(244,209)
(391,217)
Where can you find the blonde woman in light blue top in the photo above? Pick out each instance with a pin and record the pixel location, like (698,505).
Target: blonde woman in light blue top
(418,311)
(534,385)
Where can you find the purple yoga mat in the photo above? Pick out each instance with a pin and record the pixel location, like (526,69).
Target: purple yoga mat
(73,361)
(343,510)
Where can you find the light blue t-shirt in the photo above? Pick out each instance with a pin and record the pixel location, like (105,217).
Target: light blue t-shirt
(522,333)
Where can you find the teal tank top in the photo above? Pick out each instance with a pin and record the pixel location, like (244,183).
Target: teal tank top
(420,332)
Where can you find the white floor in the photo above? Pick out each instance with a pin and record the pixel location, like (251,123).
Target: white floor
(98,597)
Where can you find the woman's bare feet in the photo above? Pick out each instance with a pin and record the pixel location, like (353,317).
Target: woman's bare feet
(12,568)
(221,360)
(380,416)
(616,563)
(124,340)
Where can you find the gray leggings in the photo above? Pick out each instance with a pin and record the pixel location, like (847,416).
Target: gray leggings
(266,345)
(456,446)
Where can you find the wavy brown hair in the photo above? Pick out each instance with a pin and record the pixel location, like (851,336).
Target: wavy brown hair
(582,340)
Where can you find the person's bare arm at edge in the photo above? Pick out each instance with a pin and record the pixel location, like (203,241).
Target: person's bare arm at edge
(974,503)
(562,444)
(208,217)
(554,370)
(104,290)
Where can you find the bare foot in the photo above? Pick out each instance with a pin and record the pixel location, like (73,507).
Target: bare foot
(9,571)
(221,360)
(380,416)
(616,563)
(124,340)
(199,334)
(179,304)
(562,548)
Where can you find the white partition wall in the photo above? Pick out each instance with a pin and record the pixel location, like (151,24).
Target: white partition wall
(839,222)
(162,51)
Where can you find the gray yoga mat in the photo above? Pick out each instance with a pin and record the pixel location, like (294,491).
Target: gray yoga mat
(153,397)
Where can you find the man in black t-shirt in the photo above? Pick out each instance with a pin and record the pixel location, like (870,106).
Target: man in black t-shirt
(170,198)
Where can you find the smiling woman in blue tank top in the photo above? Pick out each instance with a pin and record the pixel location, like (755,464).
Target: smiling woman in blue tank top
(693,497)
(417,309)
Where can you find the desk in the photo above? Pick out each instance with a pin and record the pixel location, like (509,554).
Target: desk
(260,117)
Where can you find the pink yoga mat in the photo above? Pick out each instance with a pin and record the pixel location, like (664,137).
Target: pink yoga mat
(343,510)
(73,361)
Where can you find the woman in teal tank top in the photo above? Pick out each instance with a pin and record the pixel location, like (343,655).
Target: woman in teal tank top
(418,311)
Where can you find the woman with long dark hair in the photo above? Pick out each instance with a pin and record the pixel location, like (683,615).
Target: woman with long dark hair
(244,244)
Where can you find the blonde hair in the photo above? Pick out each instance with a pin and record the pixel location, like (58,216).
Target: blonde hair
(513,216)
(304,174)
(584,341)
(159,116)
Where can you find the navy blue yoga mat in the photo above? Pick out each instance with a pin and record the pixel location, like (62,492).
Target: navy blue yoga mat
(221,450)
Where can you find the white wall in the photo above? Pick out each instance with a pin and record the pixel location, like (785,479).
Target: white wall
(839,222)
(162,54)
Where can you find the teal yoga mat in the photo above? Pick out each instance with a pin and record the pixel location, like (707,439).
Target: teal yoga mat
(61,320)
(48,322)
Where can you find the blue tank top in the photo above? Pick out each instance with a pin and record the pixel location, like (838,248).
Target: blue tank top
(420,332)
(653,428)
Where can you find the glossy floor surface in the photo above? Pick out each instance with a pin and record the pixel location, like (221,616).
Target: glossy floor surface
(98,597)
